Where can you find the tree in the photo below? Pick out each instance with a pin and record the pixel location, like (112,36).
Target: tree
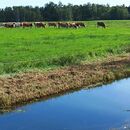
(9,14)
(119,12)
(50,12)
(60,12)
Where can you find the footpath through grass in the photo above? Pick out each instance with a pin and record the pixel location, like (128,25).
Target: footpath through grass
(23,49)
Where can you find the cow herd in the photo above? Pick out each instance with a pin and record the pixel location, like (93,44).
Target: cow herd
(49,24)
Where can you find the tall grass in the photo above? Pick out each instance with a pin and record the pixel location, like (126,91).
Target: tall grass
(23,49)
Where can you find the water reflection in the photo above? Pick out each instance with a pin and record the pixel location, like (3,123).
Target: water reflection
(102,108)
(125,126)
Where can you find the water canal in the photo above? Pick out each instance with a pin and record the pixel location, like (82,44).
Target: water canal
(102,108)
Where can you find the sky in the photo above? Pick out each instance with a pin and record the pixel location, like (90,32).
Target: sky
(5,3)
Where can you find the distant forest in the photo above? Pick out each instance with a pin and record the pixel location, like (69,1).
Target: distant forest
(60,12)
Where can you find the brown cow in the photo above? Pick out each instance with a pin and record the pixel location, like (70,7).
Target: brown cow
(63,25)
(72,25)
(9,25)
(80,24)
(52,25)
(26,24)
(101,24)
(39,24)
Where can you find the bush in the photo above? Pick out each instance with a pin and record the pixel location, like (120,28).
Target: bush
(68,60)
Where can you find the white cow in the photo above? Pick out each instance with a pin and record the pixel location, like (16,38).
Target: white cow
(18,24)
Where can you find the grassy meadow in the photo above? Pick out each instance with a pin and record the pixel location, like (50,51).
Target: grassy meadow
(37,48)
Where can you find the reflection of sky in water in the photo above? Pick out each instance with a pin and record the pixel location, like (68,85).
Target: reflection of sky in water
(101,108)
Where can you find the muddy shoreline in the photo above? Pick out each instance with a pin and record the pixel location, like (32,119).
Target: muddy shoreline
(27,87)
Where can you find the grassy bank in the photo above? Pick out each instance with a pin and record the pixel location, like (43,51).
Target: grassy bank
(24,49)
(32,86)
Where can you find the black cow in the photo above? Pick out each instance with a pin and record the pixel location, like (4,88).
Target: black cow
(101,24)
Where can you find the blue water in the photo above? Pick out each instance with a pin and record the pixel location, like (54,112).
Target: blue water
(102,108)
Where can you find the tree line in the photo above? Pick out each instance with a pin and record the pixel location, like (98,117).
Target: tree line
(60,12)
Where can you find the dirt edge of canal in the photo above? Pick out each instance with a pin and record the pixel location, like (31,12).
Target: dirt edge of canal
(27,87)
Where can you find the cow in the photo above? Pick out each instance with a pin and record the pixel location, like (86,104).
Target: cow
(18,24)
(26,24)
(63,25)
(52,25)
(9,25)
(80,24)
(39,24)
(101,24)
(72,25)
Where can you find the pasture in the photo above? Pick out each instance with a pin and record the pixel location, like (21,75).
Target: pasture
(23,49)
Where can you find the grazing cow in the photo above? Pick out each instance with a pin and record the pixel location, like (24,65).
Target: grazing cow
(18,25)
(9,25)
(52,25)
(80,24)
(26,24)
(72,25)
(59,24)
(39,24)
(101,24)
(63,25)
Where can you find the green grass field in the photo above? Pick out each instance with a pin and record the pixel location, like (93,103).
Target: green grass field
(24,49)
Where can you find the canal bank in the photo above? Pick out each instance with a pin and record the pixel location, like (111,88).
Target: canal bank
(27,87)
